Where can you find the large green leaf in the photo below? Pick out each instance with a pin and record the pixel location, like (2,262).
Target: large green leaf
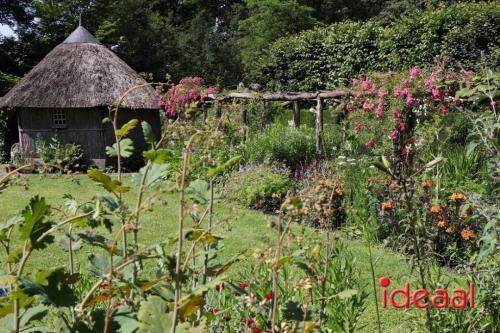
(127,128)
(34,223)
(153,316)
(110,185)
(52,286)
(220,169)
(126,149)
(158,156)
(149,135)
(156,173)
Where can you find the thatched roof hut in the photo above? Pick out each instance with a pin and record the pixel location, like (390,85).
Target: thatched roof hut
(79,73)
(69,93)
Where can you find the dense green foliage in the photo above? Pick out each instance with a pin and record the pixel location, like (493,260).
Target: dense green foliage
(328,57)
(64,157)
(259,185)
(285,144)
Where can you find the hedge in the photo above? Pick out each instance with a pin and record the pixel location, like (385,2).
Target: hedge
(328,57)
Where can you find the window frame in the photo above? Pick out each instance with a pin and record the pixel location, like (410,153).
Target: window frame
(59,119)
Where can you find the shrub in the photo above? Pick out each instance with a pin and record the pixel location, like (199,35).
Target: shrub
(329,57)
(288,145)
(323,199)
(65,157)
(259,185)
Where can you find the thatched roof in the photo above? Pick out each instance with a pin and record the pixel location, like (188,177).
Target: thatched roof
(80,73)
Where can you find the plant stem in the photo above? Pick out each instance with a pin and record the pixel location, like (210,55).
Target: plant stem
(26,255)
(178,272)
(210,219)
(416,244)
(325,276)
(275,273)
(374,282)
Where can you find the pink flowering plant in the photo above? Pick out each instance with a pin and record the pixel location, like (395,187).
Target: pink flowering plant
(385,109)
(185,97)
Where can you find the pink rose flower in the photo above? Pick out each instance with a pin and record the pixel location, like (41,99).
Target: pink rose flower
(415,71)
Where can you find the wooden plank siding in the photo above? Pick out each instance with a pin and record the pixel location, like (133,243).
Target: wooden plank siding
(83,127)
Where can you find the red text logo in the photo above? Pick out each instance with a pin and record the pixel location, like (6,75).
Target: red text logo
(421,298)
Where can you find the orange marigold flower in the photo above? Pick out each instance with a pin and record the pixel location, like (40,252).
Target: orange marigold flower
(458,197)
(468,234)
(436,209)
(464,215)
(388,205)
(441,224)
(339,191)
(426,184)
(450,230)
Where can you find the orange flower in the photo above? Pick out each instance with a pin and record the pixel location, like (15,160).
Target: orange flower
(468,234)
(450,230)
(435,209)
(275,196)
(464,215)
(388,205)
(441,224)
(426,184)
(458,197)
(339,191)
(393,184)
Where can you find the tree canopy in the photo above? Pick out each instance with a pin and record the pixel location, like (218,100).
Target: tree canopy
(217,39)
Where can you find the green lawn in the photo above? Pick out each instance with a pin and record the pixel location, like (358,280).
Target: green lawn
(247,229)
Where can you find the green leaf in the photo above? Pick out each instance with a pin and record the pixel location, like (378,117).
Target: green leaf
(105,181)
(433,162)
(52,286)
(381,167)
(64,242)
(223,167)
(35,313)
(97,240)
(149,135)
(156,173)
(34,224)
(70,203)
(153,315)
(199,192)
(159,156)
(348,293)
(126,149)
(201,235)
(127,128)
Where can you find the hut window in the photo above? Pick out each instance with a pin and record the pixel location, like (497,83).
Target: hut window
(58,118)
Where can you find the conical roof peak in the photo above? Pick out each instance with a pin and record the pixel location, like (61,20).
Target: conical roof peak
(80,35)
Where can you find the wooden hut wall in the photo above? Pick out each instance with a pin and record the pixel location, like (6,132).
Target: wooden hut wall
(83,127)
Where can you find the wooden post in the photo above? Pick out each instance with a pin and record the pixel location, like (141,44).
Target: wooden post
(296,114)
(244,123)
(319,126)
(264,114)
(218,110)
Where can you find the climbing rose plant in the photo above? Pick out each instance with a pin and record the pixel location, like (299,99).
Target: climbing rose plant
(186,96)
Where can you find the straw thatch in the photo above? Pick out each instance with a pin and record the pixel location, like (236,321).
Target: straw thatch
(80,73)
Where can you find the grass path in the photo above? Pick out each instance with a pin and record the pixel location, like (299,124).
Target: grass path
(246,230)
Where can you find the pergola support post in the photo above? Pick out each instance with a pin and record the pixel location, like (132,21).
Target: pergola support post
(296,114)
(319,126)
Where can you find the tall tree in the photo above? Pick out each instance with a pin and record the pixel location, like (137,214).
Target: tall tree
(267,21)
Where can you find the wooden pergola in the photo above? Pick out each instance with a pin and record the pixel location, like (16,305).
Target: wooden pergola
(291,97)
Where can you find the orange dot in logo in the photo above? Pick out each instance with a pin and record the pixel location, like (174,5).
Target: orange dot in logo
(384,281)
